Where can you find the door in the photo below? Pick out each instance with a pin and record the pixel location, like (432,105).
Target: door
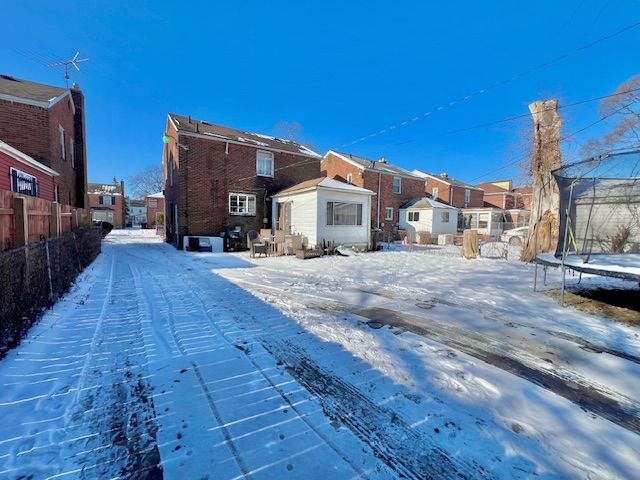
(284,217)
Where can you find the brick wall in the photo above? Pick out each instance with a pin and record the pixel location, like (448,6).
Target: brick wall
(454,195)
(335,167)
(45,181)
(35,131)
(152,211)
(209,170)
(118,208)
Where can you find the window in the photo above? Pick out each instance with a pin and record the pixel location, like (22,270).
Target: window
(242,204)
(72,153)
(22,182)
(349,178)
(434,192)
(467,196)
(62,143)
(264,164)
(414,216)
(170,167)
(107,200)
(483,220)
(342,213)
(397,185)
(388,213)
(153,203)
(444,217)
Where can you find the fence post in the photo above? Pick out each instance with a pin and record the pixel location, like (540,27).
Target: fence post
(55,224)
(75,219)
(21,216)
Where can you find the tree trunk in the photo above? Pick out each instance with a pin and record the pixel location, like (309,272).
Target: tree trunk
(545,211)
(470,244)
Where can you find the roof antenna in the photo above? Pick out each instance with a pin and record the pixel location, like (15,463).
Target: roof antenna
(73,62)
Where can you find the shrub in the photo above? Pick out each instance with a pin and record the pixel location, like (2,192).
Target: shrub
(424,238)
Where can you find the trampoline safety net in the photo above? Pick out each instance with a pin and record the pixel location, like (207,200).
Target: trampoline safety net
(600,205)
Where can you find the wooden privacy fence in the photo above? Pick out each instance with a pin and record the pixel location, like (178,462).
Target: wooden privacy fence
(25,219)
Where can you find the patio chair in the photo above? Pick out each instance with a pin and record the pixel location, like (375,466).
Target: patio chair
(255,244)
(278,242)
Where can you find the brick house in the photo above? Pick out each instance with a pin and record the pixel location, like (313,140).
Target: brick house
(155,209)
(107,203)
(456,193)
(392,185)
(22,174)
(220,180)
(516,202)
(47,124)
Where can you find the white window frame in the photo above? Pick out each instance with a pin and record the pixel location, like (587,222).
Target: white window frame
(388,216)
(434,192)
(63,152)
(349,178)
(72,153)
(258,159)
(467,196)
(413,216)
(246,210)
(443,216)
(399,179)
(331,219)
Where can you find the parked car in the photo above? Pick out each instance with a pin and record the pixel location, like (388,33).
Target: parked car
(515,236)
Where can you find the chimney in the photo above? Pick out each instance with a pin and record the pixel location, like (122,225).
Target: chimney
(382,160)
(76,87)
(189,118)
(444,175)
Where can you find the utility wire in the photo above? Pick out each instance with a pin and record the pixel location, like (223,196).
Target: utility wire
(497,84)
(573,14)
(512,118)
(564,137)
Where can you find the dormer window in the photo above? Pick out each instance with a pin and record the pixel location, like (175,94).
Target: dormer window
(264,164)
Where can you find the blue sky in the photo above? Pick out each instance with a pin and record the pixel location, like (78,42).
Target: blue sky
(342,70)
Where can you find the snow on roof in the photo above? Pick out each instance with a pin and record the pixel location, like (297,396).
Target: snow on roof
(156,195)
(327,183)
(190,125)
(375,165)
(425,202)
(108,188)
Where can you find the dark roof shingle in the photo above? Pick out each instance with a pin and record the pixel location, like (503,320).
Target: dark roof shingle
(29,90)
(378,165)
(190,125)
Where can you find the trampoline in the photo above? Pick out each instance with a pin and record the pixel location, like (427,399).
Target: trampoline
(599,218)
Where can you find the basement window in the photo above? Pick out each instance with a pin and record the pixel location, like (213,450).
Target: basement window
(242,204)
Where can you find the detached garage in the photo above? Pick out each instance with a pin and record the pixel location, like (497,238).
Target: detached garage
(325,210)
(427,215)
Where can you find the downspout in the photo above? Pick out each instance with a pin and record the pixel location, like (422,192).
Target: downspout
(451,195)
(379,181)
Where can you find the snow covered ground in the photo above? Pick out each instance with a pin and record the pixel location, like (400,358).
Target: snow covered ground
(416,364)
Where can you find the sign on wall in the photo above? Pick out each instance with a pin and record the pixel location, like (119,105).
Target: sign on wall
(24,183)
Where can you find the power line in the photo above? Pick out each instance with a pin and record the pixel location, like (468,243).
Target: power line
(493,86)
(519,159)
(573,14)
(512,118)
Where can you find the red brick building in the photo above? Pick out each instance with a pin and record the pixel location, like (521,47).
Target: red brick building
(47,124)
(22,174)
(392,185)
(453,192)
(516,202)
(220,179)
(107,203)
(155,209)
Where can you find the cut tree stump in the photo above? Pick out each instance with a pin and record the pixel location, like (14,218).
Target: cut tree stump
(470,244)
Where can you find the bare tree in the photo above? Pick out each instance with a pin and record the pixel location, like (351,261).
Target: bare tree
(147,182)
(291,131)
(624,105)
(545,223)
